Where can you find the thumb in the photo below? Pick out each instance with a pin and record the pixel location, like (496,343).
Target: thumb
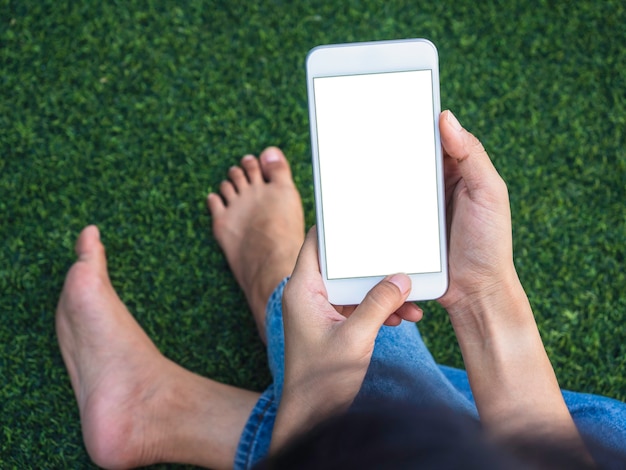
(380,302)
(472,161)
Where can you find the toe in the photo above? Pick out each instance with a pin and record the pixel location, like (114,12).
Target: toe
(252,168)
(274,165)
(228,191)
(88,245)
(238,177)
(216,204)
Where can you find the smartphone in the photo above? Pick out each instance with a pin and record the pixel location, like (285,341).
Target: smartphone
(377,165)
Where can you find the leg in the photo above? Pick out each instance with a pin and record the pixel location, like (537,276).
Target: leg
(403,368)
(259,223)
(136,406)
(257,435)
(599,419)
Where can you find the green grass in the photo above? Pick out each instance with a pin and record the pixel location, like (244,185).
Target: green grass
(125,114)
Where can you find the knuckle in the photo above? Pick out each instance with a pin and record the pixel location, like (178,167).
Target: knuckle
(475,146)
(384,296)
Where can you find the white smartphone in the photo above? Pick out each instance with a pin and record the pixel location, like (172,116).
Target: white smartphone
(377,165)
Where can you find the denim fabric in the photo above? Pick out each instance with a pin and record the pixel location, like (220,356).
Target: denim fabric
(255,440)
(403,368)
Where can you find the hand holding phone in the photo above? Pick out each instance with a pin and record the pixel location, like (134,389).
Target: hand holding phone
(377,165)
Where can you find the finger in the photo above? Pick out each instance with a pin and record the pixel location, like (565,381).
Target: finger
(451,174)
(393,320)
(473,163)
(410,312)
(345,310)
(384,299)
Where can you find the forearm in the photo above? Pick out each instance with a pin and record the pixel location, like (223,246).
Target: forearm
(513,382)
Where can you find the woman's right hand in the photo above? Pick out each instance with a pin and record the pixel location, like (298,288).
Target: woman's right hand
(512,379)
(479,219)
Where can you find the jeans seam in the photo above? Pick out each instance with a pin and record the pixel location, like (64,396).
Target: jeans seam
(256,430)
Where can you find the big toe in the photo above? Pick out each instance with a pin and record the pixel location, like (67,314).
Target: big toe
(274,165)
(89,247)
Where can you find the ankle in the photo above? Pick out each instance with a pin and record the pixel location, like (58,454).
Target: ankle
(121,426)
(265,288)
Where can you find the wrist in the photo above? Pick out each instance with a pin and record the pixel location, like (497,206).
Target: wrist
(491,311)
(290,421)
(305,403)
(497,332)
(296,415)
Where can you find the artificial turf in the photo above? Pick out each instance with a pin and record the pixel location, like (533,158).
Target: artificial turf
(124,114)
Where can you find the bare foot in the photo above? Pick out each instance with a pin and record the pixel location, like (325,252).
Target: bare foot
(259,223)
(136,406)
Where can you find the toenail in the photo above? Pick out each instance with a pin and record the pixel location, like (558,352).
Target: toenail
(271,155)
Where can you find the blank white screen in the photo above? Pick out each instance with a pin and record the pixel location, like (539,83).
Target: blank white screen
(376,145)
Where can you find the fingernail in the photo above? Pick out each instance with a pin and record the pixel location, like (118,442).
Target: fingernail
(401,281)
(454,122)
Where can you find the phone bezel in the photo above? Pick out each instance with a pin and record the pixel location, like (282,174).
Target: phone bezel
(377,57)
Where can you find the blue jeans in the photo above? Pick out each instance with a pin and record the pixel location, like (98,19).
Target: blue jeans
(403,368)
